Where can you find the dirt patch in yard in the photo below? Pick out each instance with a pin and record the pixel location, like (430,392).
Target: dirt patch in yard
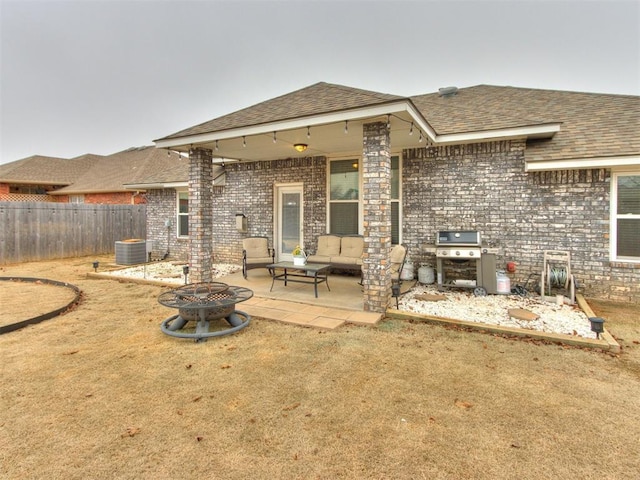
(100,392)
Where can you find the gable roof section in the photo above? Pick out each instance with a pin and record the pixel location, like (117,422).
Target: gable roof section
(42,170)
(112,172)
(317,99)
(559,125)
(593,125)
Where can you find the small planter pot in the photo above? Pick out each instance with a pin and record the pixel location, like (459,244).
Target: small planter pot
(299,260)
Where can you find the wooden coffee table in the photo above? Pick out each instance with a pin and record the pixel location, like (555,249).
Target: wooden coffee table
(291,273)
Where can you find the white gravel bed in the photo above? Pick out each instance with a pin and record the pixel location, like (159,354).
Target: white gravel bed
(493,310)
(170,272)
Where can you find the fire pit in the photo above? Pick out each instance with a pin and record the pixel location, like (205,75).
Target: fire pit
(203,302)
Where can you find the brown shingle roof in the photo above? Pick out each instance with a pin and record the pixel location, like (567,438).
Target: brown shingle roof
(41,170)
(593,125)
(313,100)
(112,172)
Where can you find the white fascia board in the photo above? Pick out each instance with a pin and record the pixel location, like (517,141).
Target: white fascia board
(533,131)
(302,122)
(578,163)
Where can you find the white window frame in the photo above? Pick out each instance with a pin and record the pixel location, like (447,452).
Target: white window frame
(76,198)
(614,217)
(358,158)
(178,214)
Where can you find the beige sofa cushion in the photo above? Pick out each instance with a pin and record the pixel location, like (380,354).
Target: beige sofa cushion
(352,247)
(328,246)
(318,259)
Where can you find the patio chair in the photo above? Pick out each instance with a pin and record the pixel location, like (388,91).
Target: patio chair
(256,254)
(398,257)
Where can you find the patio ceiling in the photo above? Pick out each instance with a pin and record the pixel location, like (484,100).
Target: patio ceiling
(336,134)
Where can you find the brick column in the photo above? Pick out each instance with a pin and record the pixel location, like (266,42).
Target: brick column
(376,202)
(200,215)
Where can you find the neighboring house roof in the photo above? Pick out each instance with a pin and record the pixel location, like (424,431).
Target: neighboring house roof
(95,173)
(176,175)
(42,170)
(560,125)
(112,172)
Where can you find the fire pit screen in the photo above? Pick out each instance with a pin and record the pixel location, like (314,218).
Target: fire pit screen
(201,303)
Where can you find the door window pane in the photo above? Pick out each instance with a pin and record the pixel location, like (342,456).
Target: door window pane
(290,222)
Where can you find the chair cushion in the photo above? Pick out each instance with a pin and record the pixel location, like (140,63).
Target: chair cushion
(352,247)
(397,257)
(397,254)
(255,260)
(328,245)
(256,247)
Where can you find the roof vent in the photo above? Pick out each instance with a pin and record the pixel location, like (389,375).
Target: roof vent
(447,91)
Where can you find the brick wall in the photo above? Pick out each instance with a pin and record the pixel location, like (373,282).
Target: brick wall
(485,187)
(114,198)
(161,206)
(250,189)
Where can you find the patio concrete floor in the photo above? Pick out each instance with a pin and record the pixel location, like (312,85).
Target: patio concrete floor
(295,303)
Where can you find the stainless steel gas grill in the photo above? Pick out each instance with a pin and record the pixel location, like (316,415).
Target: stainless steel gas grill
(456,249)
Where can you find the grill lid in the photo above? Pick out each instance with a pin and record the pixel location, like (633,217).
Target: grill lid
(459,237)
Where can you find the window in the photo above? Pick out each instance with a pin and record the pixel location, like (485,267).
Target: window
(625,217)
(183,214)
(344,197)
(395,200)
(76,198)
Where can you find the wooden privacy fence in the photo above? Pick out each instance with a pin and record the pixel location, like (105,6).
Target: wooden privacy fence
(32,231)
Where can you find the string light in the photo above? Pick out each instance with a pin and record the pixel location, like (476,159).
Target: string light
(274,137)
(308,132)
(389,121)
(411,129)
(244,141)
(420,139)
(346,126)
(216,145)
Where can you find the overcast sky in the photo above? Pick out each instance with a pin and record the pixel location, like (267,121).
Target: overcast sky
(102,76)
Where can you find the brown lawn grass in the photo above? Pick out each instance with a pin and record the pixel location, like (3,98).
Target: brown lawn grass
(100,392)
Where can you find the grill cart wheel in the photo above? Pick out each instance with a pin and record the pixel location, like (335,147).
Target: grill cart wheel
(480,292)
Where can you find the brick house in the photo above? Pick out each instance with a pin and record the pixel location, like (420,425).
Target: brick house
(532,170)
(91,179)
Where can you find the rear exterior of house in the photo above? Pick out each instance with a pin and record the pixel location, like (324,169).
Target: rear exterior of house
(530,170)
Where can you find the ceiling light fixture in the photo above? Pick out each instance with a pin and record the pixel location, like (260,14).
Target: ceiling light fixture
(300,147)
